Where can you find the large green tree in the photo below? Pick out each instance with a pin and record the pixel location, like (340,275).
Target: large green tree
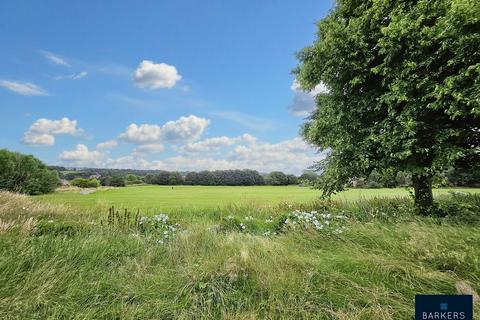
(25,174)
(403,81)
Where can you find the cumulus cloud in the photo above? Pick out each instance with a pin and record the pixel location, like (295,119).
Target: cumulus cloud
(43,131)
(149,148)
(184,129)
(290,156)
(107,144)
(55,59)
(152,75)
(73,76)
(82,157)
(216,143)
(140,134)
(23,88)
(304,102)
(129,162)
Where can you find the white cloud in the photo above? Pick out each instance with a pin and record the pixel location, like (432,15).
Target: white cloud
(216,143)
(38,139)
(152,75)
(128,162)
(55,59)
(289,156)
(184,129)
(304,102)
(107,144)
(149,148)
(73,76)
(144,133)
(43,131)
(83,157)
(23,88)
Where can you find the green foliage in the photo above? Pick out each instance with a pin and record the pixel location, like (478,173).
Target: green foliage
(308,177)
(175,178)
(132,179)
(85,183)
(25,174)
(57,262)
(403,88)
(117,181)
(276,178)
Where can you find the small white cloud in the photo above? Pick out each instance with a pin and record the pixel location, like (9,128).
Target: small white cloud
(38,139)
(55,59)
(184,129)
(43,131)
(23,88)
(152,75)
(73,76)
(107,144)
(144,133)
(304,102)
(83,157)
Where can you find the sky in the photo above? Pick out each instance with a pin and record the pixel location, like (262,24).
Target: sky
(172,85)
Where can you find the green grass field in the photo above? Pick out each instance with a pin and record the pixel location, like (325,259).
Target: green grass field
(245,260)
(202,197)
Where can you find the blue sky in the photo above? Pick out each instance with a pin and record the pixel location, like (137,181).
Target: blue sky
(178,85)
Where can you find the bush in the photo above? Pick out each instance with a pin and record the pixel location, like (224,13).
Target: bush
(117,181)
(132,179)
(25,174)
(85,183)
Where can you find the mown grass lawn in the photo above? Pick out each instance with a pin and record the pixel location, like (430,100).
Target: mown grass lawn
(204,197)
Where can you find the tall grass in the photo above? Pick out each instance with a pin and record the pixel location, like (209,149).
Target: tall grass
(60,263)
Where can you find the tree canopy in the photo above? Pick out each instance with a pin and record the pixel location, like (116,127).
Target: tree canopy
(25,174)
(403,81)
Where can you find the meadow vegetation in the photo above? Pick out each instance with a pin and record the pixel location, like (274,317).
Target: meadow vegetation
(366,261)
(167,198)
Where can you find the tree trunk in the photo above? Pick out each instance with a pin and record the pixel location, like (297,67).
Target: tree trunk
(422,185)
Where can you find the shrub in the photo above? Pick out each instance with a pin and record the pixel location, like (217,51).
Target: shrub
(25,174)
(85,183)
(117,181)
(132,179)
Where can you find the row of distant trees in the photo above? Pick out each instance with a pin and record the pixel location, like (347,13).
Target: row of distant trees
(223,178)
(376,179)
(204,178)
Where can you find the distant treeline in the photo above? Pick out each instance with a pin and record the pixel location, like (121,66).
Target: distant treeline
(122,177)
(460,177)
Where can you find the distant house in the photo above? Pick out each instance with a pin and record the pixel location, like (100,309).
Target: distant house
(95,176)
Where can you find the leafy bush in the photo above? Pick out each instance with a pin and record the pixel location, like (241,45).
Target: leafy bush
(85,183)
(117,181)
(25,174)
(132,179)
